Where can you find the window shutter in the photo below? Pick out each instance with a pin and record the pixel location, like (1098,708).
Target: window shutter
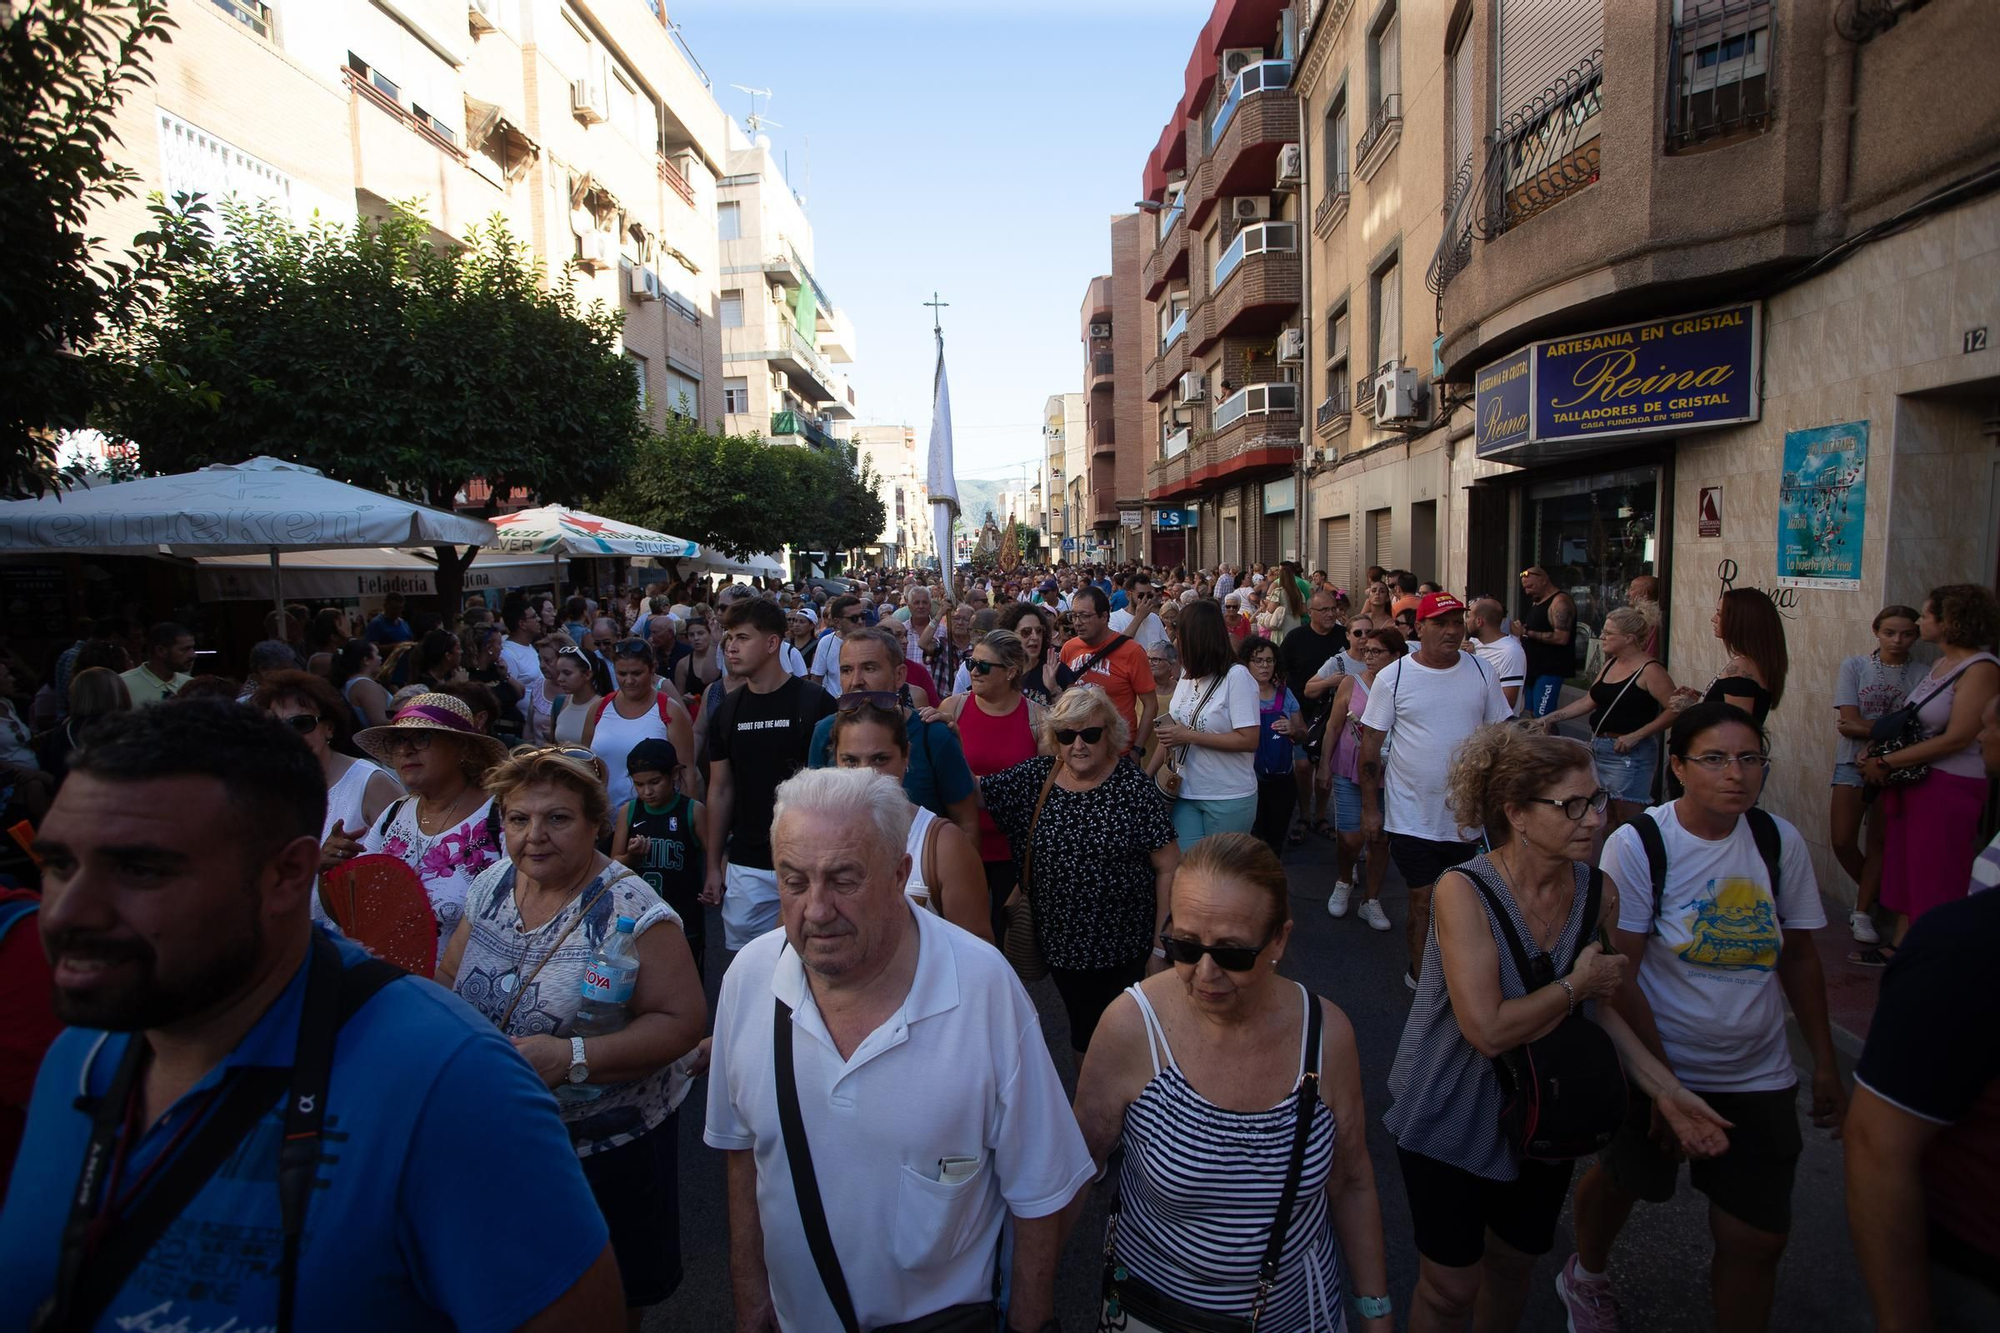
(1464,128)
(1392,77)
(1379,533)
(1539,41)
(1338,556)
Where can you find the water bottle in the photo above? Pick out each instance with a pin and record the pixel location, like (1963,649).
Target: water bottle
(607,991)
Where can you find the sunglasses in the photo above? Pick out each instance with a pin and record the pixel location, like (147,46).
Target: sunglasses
(1228,957)
(303,723)
(631,647)
(847,703)
(1088,735)
(979,668)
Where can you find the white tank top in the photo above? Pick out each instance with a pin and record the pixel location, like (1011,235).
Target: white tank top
(920,833)
(614,739)
(344,804)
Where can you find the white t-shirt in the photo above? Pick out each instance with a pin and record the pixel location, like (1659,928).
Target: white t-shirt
(1710,974)
(1209,774)
(1148,634)
(1427,714)
(960,1071)
(524,666)
(826,664)
(1506,656)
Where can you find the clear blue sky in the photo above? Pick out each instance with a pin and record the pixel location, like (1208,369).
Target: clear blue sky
(972,146)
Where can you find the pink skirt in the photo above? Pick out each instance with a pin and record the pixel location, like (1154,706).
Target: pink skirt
(1932,838)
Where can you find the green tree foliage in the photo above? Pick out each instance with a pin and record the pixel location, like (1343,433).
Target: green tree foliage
(65,66)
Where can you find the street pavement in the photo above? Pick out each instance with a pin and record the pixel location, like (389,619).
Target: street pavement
(1659,1268)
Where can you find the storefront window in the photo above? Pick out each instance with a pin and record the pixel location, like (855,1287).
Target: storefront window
(1594,535)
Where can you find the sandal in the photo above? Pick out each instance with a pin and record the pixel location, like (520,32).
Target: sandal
(1296,836)
(1324,829)
(1878,956)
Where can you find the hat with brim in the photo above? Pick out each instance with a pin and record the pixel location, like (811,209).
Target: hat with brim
(433,714)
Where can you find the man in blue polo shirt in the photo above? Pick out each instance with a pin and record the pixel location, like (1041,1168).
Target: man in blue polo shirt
(180,856)
(938,778)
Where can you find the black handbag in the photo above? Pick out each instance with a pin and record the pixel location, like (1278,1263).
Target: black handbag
(972,1317)
(1562,1096)
(1903,728)
(1125,1292)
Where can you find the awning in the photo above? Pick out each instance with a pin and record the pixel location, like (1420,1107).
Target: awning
(486,122)
(765,564)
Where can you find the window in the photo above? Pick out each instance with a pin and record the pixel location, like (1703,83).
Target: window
(683,394)
(638,364)
(626,115)
(732,309)
(1461,130)
(736,394)
(728,221)
(1386,297)
(1723,54)
(1336,356)
(1336,143)
(1384,70)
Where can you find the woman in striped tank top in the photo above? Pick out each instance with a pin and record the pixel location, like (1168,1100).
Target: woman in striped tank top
(1200,1070)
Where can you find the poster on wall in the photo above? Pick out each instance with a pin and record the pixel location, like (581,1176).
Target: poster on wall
(1822,506)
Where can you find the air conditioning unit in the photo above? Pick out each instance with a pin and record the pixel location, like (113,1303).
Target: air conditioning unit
(1292,345)
(587,101)
(645,283)
(1397,395)
(484,15)
(1250,208)
(779,296)
(1100,330)
(779,382)
(597,250)
(1237,59)
(1190,390)
(1291,165)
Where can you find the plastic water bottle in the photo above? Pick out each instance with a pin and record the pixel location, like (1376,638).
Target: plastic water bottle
(608,979)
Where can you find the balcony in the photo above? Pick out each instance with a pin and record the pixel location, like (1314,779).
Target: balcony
(1103,437)
(1332,208)
(1379,140)
(1176,444)
(1169,261)
(1256,430)
(1199,197)
(1245,158)
(813,430)
(1335,414)
(1254,400)
(802,362)
(1103,508)
(1265,76)
(1098,299)
(671,174)
(1257,283)
(1100,376)
(1167,367)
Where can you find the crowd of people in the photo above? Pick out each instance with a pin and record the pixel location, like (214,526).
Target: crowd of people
(907,798)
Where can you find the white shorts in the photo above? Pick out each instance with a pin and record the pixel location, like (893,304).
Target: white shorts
(749,905)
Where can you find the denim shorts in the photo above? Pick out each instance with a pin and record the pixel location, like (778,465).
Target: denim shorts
(1629,776)
(1346,805)
(1847,775)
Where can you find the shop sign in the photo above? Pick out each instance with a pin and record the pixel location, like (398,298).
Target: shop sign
(1132,518)
(1708,518)
(1822,503)
(1501,399)
(1281,496)
(1165,520)
(1685,372)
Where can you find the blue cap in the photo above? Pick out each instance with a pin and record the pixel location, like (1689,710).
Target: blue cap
(625,924)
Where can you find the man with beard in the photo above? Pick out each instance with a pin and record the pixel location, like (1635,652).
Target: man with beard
(274,1130)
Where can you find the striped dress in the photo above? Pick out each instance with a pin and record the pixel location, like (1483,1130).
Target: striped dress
(1200,1188)
(1445,1099)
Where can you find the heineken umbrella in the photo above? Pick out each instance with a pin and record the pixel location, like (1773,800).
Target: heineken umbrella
(262,506)
(555,531)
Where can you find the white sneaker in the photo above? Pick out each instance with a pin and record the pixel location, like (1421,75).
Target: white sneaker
(1863,927)
(1336,903)
(1371,912)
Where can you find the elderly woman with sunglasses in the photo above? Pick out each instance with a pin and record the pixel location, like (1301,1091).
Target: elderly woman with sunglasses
(999,726)
(1095,839)
(520,956)
(357,790)
(445,829)
(1210,1073)
(1483,1212)
(639,710)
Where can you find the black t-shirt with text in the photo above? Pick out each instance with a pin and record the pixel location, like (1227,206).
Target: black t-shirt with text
(764,738)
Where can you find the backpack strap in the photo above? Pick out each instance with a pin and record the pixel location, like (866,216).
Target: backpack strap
(15,911)
(1770,846)
(1648,831)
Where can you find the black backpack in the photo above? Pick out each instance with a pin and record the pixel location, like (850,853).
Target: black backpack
(1562,1096)
(1763,829)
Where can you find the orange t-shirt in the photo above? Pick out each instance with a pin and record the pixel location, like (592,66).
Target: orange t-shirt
(1124,675)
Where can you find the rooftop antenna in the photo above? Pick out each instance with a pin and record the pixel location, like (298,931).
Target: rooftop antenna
(754,122)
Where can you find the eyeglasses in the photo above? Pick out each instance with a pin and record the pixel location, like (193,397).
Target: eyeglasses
(1228,957)
(303,723)
(854,618)
(847,703)
(1574,806)
(1716,763)
(415,741)
(981,668)
(1088,735)
(631,647)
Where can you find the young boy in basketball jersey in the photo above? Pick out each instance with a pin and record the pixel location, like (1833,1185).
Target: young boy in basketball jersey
(658,835)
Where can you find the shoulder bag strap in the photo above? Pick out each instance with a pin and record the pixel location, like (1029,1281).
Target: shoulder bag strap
(607,880)
(1042,799)
(389,815)
(805,1184)
(1267,1271)
(1082,668)
(1593,904)
(1194,720)
(1630,681)
(1522,964)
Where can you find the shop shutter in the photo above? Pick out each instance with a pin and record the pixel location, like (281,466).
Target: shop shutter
(1379,533)
(1337,554)
(1464,127)
(1539,41)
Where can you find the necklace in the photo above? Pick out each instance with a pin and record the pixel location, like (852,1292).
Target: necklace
(1549,926)
(451,815)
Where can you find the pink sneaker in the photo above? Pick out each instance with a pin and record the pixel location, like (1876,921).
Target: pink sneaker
(1588,1300)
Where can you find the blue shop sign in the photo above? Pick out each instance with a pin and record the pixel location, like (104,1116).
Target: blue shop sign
(1685,372)
(1165,520)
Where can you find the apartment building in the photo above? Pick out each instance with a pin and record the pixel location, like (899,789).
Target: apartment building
(1223,278)
(783,338)
(1116,331)
(906,536)
(1707,291)
(1069,483)
(580,122)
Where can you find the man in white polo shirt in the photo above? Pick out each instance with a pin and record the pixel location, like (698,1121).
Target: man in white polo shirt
(925,1099)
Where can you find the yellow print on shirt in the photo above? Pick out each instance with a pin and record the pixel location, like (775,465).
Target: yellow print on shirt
(1735,927)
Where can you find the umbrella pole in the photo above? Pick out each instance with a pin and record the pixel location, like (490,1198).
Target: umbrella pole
(278,589)
(555,578)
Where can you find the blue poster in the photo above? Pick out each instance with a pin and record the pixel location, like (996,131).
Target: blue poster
(1822,505)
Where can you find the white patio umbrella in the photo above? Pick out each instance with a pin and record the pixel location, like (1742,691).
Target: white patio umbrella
(556,531)
(264,505)
(352,573)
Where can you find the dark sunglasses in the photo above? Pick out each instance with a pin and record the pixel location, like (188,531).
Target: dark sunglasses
(980,668)
(1089,735)
(1228,957)
(631,647)
(303,723)
(847,703)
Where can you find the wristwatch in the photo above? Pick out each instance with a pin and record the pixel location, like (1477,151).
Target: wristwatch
(1373,1307)
(579,1068)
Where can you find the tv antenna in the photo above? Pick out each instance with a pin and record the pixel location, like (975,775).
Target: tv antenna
(754,122)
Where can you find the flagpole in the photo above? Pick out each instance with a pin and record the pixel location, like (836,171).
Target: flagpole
(943,483)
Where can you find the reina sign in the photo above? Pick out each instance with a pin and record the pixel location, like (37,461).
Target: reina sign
(1685,372)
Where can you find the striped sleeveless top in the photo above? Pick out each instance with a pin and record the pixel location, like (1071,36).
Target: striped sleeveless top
(1445,1100)
(1199,1191)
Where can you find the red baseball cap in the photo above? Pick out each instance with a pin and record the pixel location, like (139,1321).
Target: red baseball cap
(1438,604)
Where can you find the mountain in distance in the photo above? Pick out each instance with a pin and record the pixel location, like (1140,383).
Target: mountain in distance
(978,494)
